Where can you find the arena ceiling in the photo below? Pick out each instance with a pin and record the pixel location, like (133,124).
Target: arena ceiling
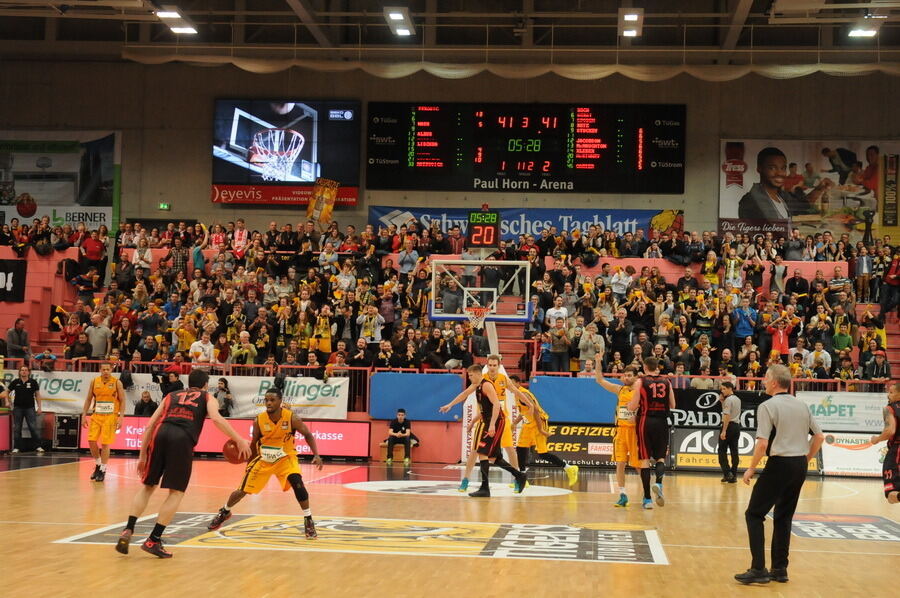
(498,32)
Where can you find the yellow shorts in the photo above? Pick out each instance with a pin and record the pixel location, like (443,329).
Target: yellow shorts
(506,438)
(258,473)
(530,436)
(103,428)
(625,446)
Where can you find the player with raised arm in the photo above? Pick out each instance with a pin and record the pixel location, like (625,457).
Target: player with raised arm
(167,450)
(891,433)
(535,432)
(273,452)
(625,444)
(488,431)
(652,400)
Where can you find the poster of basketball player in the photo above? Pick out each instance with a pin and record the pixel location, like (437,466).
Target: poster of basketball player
(838,185)
(68,176)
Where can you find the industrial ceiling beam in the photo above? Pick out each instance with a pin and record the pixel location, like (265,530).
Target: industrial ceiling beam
(738,20)
(307,16)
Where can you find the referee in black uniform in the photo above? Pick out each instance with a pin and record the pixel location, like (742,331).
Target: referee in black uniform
(783,427)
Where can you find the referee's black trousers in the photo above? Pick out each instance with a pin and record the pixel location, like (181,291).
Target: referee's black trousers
(778,486)
(730,444)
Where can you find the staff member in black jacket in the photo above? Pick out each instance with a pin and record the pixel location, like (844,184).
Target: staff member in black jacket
(783,427)
(730,436)
(25,393)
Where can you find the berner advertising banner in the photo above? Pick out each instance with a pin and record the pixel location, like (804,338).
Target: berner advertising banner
(65,393)
(519,221)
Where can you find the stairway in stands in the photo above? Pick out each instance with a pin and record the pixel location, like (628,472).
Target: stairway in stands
(892,328)
(510,337)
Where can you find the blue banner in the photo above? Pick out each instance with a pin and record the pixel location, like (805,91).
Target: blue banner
(531,221)
(420,394)
(575,400)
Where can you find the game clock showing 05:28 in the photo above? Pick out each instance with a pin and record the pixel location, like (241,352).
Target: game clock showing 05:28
(484,229)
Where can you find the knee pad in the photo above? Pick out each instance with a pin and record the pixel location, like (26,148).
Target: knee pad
(299,489)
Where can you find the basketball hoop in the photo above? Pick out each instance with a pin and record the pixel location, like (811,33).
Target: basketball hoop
(476,315)
(275,151)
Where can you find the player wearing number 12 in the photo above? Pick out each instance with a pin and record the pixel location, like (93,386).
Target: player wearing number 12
(653,399)
(274,453)
(167,450)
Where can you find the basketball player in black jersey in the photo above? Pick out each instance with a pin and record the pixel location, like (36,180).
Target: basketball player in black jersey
(891,433)
(489,432)
(652,401)
(167,450)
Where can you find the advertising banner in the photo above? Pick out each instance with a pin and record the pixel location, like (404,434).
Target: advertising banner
(770,185)
(65,393)
(581,444)
(70,176)
(698,449)
(531,221)
(420,394)
(333,439)
(702,408)
(852,455)
(846,411)
(12,280)
(277,195)
(579,400)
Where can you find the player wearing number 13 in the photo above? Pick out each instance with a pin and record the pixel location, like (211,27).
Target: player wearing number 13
(167,450)
(653,399)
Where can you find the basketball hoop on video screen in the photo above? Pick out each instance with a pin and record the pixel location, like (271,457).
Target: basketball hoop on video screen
(275,151)
(476,315)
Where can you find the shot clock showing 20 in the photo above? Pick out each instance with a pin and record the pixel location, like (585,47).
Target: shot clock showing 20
(601,148)
(483,230)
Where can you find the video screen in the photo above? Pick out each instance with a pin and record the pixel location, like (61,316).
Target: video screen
(286,142)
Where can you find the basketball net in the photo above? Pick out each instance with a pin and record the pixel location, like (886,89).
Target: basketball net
(275,151)
(476,315)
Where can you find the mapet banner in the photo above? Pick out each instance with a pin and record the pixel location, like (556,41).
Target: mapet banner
(12,280)
(846,411)
(703,409)
(65,393)
(531,221)
(69,176)
(770,185)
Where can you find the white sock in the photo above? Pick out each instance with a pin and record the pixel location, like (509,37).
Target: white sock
(621,489)
(98,461)
(307,512)
(103,467)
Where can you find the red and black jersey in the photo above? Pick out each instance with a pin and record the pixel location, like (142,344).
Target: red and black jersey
(484,403)
(186,409)
(895,409)
(654,396)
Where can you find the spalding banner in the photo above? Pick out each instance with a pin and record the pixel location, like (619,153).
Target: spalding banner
(703,409)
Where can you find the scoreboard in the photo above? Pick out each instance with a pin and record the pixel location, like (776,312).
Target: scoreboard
(601,148)
(483,230)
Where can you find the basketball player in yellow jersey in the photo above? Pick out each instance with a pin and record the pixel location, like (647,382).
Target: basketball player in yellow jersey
(535,432)
(106,402)
(273,453)
(625,446)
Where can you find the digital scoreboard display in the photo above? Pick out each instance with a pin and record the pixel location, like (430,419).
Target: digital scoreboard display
(600,148)
(483,230)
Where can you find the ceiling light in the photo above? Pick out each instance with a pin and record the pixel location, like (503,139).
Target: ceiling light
(187,30)
(862,33)
(403,31)
(395,16)
(168,14)
(630,17)
(631,22)
(399,21)
(629,33)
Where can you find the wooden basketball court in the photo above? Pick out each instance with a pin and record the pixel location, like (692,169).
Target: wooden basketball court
(405,531)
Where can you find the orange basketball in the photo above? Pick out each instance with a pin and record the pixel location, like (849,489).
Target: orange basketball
(231,453)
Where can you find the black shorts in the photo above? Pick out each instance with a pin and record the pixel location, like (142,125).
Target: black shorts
(171,456)
(652,437)
(891,469)
(488,445)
